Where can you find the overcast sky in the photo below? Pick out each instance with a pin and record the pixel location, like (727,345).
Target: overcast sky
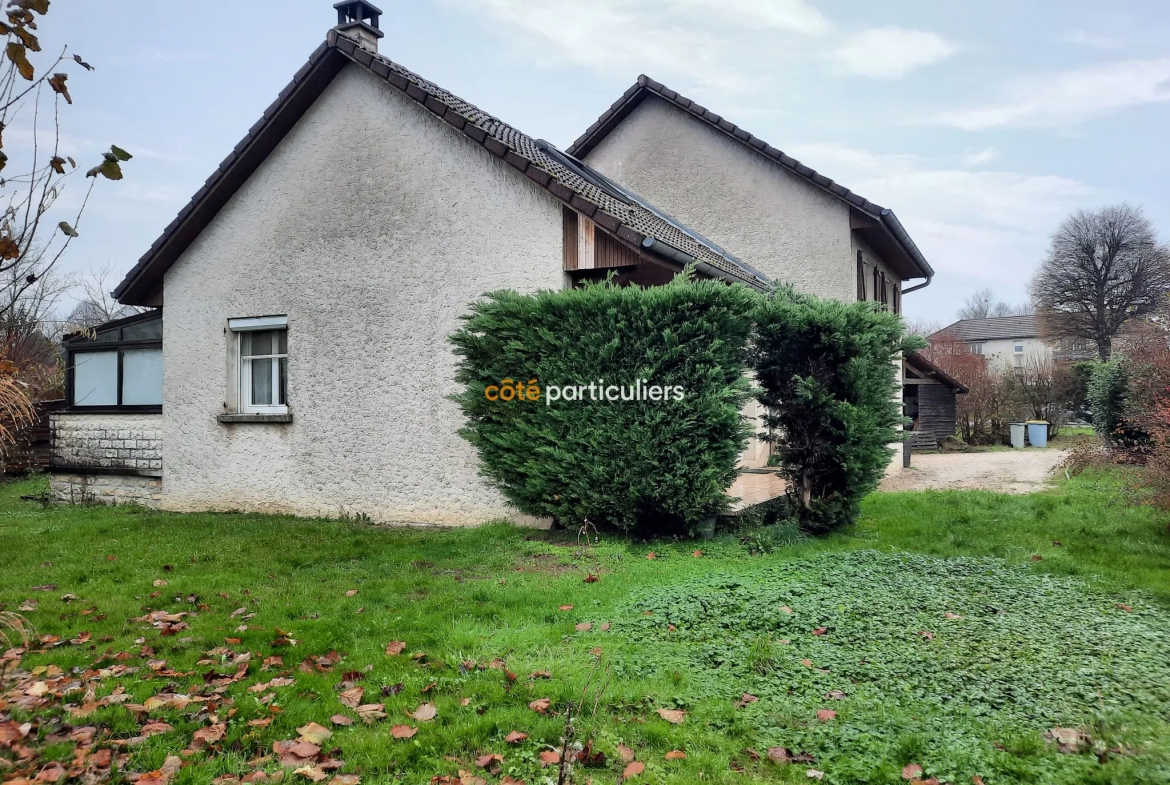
(980,124)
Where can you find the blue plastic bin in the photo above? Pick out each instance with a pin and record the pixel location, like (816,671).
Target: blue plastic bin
(1038,433)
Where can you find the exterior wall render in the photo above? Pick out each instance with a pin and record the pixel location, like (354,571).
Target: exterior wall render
(372,226)
(788,229)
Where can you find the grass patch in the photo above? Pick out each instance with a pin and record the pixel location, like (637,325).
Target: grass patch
(1037,647)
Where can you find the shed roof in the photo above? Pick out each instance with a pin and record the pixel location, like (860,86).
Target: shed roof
(899,240)
(931,371)
(615,210)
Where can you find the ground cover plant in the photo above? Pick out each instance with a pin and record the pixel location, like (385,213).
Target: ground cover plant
(158,637)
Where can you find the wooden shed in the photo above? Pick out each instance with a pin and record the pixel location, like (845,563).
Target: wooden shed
(928,398)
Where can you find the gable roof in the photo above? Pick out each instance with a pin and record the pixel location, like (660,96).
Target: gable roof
(615,210)
(931,371)
(866,215)
(994,328)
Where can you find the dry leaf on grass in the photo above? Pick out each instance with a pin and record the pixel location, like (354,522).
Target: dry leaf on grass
(633,769)
(515,737)
(403,731)
(625,753)
(540,705)
(425,712)
(341,719)
(314,733)
(584,626)
(910,771)
(549,758)
(676,755)
(371,712)
(394,648)
(673,716)
(352,697)
(824,715)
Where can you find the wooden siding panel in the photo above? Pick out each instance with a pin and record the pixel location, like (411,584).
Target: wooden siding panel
(570,243)
(585,243)
(608,252)
(936,410)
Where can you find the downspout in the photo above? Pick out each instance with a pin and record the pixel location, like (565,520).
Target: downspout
(895,226)
(682,257)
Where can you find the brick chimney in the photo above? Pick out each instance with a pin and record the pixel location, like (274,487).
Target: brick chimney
(359,20)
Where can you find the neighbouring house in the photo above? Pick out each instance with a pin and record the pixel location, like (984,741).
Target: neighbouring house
(928,398)
(1012,341)
(304,329)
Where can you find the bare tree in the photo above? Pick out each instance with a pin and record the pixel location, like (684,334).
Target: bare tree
(1104,268)
(97,305)
(30,242)
(982,304)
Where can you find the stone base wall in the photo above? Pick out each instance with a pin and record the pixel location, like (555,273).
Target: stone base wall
(108,441)
(106,489)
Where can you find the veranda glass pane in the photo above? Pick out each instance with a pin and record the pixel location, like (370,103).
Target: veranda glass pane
(283,381)
(142,377)
(95,379)
(261,382)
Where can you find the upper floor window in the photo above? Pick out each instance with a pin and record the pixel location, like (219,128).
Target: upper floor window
(262,363)
(116,366)
(1018,348)
(975,347)
(860,277)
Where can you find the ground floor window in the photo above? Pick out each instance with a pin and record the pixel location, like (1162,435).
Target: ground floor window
(262,350)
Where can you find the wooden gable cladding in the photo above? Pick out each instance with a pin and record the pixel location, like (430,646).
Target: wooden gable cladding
(587,247)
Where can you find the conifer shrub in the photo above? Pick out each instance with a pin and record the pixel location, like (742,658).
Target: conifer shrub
(644,466)
(828,378)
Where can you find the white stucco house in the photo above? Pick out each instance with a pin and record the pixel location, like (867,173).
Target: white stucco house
(298,361)
(1012,341)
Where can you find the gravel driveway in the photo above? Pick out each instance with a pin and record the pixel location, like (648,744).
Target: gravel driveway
(1008,471)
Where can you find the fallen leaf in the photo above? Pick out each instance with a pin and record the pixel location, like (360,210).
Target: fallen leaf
(352,697)
(926,634)
(394,648)
(605,627)
(696,554)
(1058,544)
(584,626)
(815,774)
(565,608)
(977,780)
(633,769)
(540,675)
(806,663)
(341,719)
(652,555)
(910,771)
(1037,557)
(836,695)
(483,761)
(371,712)
(745,700)
(779,754)
(314,773)
(403,731)
(540,705)
(625,753)
(820,630)
(209,735)
(951,616)
(676,755)
(591,578)
(314,733)
(351,593)
(425,712)
(824,715)
(549,758)
(785,609)
(346,779)
(160,582)
(1124,607)
(673,716)
(515,737)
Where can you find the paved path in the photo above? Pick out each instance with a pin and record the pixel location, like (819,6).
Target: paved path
(1008,471)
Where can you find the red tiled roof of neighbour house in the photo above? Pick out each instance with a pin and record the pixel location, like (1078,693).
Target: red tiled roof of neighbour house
(613,209)
(646,87)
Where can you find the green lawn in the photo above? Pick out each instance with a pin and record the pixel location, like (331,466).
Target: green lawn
(928,630)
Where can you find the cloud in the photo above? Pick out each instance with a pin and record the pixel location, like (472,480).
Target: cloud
(1071,96)
(697,40)
(979,157)
(891,52)
(989,224)
(1092,40)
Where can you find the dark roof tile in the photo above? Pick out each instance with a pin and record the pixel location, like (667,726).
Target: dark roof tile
(994,328)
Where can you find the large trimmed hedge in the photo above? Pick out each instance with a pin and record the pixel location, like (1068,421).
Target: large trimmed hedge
(827,372)
(828,375)
(655,466)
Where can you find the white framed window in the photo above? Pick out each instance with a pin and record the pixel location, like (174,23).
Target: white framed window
(1018,348)
(975,347)
(261,364)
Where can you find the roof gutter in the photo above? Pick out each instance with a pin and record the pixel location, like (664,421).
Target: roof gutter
(668,251)
(903,237)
